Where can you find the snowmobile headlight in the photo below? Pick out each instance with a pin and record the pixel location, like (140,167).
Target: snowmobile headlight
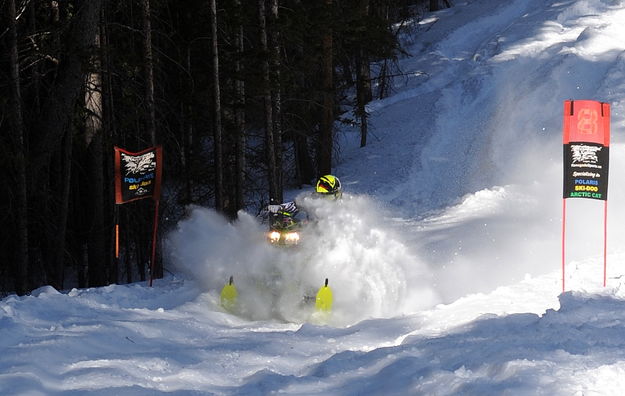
(274,237)
(291,237)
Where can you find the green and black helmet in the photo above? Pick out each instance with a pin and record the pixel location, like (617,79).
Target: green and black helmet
(330,186)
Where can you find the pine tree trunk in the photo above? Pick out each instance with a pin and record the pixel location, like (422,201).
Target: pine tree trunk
(22,256)
(107,72)
(59,108)
(157,266)
(149,72)
(240,113)
(326,134)
(363,79)
(305,167)
(277,96)
(109,131)
(361,107)
(187,139)
(217,132)
(304,163)
(272,170)
(57,272)
(383,80)
(36,70)
(94,144)
(97,233)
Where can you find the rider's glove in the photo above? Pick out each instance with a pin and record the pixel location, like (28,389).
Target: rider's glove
(273,208)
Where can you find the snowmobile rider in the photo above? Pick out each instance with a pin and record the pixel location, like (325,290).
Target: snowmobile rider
(328,186)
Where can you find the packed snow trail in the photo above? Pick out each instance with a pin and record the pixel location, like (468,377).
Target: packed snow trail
(140,340)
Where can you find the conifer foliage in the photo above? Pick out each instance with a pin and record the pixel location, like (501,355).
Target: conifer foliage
(244,96)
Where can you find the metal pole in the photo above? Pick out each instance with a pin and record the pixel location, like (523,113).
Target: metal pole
(563,239)
(605,242)
(153,262)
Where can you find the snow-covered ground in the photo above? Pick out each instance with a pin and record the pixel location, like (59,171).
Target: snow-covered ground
(444,255)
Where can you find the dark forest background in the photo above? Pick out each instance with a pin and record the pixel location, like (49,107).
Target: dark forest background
(243,95)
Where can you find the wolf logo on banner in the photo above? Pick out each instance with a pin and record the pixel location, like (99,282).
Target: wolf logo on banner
(139,164)
(582,154)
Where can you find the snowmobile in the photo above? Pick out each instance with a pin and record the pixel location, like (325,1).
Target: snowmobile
(284,232)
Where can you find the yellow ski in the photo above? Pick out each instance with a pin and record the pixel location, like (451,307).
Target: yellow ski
(229,295)
(323,302)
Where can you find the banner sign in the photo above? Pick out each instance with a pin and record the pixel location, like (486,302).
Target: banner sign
(586,141)
(137,175)
(586,138)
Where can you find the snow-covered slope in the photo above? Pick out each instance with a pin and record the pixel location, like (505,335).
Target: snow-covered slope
(444,256)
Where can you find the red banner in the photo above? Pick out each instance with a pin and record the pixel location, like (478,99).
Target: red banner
(138,175)
(586,141)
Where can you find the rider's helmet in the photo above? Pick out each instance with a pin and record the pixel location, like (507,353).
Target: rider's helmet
(329,186)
